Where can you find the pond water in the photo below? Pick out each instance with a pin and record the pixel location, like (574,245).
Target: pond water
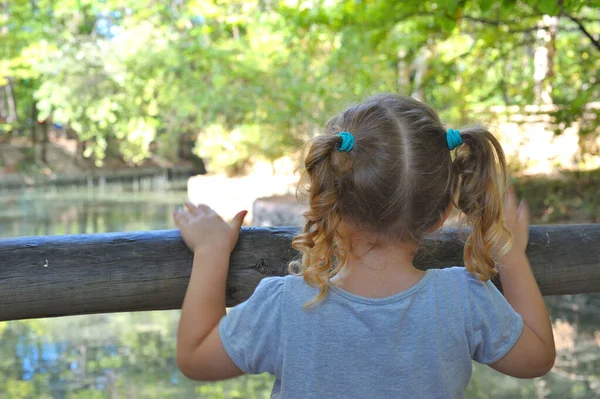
(131,355)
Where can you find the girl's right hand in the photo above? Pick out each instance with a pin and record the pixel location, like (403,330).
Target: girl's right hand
(517,221)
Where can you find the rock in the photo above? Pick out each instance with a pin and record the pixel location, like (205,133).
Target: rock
(283,210)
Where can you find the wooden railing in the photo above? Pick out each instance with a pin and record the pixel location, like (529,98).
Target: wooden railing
(117,272)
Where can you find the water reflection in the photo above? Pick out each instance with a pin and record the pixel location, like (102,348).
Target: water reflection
(132,354)
(84,213)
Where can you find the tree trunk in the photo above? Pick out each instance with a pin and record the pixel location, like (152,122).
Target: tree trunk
(551,47)
(4,91)
(33,126)
(420,64)
(45,140)
(544,59)
(4,20)
(33,132)
(81,147)
(3,104)
(180,146)
(403,83)
(12,102)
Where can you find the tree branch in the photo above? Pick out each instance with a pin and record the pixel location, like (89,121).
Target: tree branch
(594,41)
(499,23)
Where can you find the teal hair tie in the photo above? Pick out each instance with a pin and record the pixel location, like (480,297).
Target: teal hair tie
(347,141)
(453,139)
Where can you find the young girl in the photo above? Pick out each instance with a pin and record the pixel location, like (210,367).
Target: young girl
(356,319)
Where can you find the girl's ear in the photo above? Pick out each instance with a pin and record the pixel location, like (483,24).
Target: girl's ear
(442,220)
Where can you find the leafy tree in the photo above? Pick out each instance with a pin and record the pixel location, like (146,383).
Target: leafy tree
(252,79)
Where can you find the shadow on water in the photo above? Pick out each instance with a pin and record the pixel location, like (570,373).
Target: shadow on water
(132,354)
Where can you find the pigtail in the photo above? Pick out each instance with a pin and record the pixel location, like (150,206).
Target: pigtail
(321,256)
(479,182)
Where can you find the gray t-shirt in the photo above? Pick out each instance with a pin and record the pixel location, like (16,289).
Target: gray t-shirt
(415,344)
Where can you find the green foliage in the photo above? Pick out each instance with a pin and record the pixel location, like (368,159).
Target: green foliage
(252,79)
(571,197)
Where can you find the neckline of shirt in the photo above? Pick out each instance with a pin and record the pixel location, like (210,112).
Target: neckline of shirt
(388,299)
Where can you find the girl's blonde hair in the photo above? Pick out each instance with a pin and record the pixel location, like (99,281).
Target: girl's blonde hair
(397,182)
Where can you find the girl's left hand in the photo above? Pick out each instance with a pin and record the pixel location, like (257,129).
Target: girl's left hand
(203,229)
